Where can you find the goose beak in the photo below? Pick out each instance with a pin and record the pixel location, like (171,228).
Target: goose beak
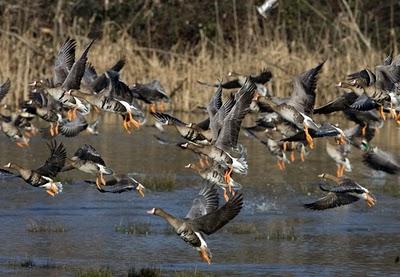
(152,211)
(140,189)
(321,175)
(370,199)
(188,165)
(7,165)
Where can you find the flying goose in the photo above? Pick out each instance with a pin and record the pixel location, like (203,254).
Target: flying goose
(346,192)
(68,74)
(259,80)
(121,183)
(88,160)
(298,110)
(339,153)
(378,159)
(189,131)
(111,99)
(214,173)
(225,128)
(43,176)
(203,218)
(150,93)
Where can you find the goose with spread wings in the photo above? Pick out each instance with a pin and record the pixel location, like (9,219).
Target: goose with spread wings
(339,153)
(121,183)
(374,88)
(378,159)
(299,109)
(259,80)
(112,99)
(225,127)
(189,131)
(43,176)
(68,74)
(214,173)
(150,93)
(346,192)
(204,218)
(88,160)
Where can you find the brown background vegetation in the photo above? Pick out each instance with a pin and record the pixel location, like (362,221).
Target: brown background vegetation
(180,42)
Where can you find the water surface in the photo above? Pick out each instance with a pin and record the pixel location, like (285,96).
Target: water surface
(272,235)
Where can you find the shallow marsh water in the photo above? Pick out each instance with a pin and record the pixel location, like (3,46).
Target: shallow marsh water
(82,229)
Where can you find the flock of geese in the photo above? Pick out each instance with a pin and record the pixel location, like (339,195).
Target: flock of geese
(286,126)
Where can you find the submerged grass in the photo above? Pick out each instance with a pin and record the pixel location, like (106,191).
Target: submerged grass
(162,182)
(95,272)
(40,226)
(144,272)
(194,273)
(30,263)
(133,228)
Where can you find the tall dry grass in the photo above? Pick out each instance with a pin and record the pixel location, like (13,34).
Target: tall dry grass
(29,56)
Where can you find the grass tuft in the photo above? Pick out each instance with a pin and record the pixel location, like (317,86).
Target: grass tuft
(40,226)
(133,228)
(95,272)
(144,272)
(164,182)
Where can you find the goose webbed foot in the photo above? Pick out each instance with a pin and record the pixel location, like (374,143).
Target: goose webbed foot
(226,197)
(281,165)
(22,144)
(370,200)
(100,181)
(227,175)
(292,156)
(71,114)
(340,170)
(56,125)
(152,108)
(204,255)
(309,138)
(129,122)
(364,130)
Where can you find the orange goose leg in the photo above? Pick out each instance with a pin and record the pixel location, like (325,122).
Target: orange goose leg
(226,197)
(56,128)
(51,129)
(227,175)
(382,113)
(309,139)
(131,122)
(72,114)
(152,108)
(204,256)
(161,107)
(21,144)
(364,130)
(98,182)
(392,111)
(292,156)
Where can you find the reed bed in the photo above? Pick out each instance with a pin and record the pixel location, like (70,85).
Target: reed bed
(27,54)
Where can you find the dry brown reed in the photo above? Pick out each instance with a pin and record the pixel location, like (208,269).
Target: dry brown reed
(29,56)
